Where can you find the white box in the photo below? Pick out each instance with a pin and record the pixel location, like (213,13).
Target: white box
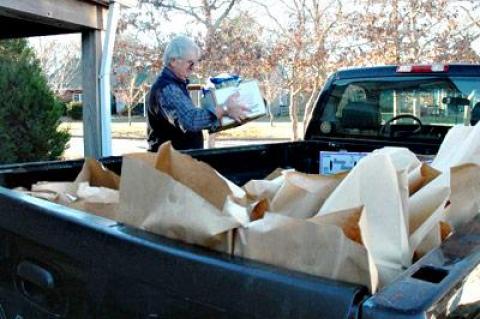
(250,95)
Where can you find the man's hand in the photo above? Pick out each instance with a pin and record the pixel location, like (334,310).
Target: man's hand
(235,108)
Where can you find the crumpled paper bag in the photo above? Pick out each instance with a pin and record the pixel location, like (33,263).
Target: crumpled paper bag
(427,211)
(266,188)
(180,198)
(419,174)
(460,146)
(317,246)
(97,175)
(459,160)
(382,188)
(294,194)
(95,190)
(381,182)
(59,192)
(99,200)
(463,184)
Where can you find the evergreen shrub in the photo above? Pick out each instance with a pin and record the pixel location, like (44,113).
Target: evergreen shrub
(29,112)
(75,110)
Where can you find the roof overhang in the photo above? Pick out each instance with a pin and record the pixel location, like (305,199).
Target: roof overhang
(28,18)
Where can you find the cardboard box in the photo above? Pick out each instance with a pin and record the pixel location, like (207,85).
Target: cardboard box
(250,95)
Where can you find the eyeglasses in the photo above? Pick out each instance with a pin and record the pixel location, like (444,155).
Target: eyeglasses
(190,63)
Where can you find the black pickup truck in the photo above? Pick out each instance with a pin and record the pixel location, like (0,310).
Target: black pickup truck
(58,262)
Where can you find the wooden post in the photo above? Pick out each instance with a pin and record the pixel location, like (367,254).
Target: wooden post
(91,54)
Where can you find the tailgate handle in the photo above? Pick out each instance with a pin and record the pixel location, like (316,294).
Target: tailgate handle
(35,274)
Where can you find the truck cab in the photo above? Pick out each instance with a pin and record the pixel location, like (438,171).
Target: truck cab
(413,104)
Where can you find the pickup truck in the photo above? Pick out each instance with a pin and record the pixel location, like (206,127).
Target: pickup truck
(58,262)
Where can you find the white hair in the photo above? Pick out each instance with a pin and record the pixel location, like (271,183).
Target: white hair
(178,48)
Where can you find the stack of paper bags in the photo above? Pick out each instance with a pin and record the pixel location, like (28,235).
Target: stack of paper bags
(386,183)
(357,231)
(287,234)
(458,159)
(363,227)
(404,209)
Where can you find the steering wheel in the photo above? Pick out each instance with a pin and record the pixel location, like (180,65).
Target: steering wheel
(385,129)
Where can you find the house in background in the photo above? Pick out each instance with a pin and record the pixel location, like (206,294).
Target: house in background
(71,91)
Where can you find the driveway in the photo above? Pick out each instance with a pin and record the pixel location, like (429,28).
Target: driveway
(122,146)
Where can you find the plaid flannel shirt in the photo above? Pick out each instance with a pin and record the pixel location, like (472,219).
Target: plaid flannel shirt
(179,109)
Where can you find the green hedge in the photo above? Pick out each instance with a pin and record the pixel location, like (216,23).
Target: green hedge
(75,110)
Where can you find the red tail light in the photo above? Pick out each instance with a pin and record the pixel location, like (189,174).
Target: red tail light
(422,68)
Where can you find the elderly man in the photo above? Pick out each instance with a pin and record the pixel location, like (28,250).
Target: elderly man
(172,116)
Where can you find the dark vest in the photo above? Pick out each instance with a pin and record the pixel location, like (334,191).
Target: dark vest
(159,129)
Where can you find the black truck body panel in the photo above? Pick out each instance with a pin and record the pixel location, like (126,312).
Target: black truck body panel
(57,262)
(135,273)
(111,270)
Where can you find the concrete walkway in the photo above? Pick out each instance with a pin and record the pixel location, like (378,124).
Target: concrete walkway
(137,129)
(131,137)
(122,146)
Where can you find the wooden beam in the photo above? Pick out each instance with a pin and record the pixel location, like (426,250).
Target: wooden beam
(17,28)
(73,13)
(91,57)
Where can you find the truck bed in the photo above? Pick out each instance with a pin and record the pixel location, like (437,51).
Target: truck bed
(58,262)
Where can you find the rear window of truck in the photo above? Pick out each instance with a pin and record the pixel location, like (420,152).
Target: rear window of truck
(362,106)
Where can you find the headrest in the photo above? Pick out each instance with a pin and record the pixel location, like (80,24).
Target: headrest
(361,115)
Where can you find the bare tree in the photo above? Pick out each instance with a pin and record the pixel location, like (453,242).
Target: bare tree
(135,65)
(60,60)
(408,31)
(301,44)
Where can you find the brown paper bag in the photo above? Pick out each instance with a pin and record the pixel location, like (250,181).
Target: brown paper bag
(261,192)
(96,174)
(265,188)
(382,188)
(419,174)
(463,182)
(308,246)
(348,220)
(401,157)
(460,146)
(427,210)
(465,194)
(291,194)
(301,195)
(158,202)
(459,160)
(97,190)
(420,177)
(61,192)
(431,240)
(101,199)
(198,176)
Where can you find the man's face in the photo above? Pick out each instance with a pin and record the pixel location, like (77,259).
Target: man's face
(183,67)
